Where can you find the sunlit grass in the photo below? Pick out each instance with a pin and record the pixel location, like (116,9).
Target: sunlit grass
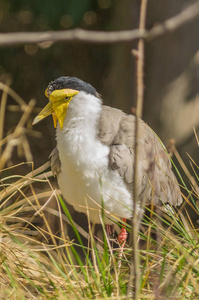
(169,254)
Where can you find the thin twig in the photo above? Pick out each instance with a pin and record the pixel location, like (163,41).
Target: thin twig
(187,15)
(45,204)
(194,130)
(17,137)
(184,167)
(2,112)
(135,262)
(13,94)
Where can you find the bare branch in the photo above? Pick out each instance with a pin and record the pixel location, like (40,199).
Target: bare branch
(172,24)
(187,15)
(82,35)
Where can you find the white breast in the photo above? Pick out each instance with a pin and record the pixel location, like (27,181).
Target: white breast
(85,178)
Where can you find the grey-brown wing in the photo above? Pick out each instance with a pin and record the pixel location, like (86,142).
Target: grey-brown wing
(55,162)
(156,179)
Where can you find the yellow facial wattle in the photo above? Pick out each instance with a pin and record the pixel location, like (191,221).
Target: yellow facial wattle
(58,105)
(59,111)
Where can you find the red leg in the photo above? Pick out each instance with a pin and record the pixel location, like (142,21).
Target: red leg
(122,241)
(122,235)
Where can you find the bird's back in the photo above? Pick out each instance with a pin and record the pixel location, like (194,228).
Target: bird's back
(156,180)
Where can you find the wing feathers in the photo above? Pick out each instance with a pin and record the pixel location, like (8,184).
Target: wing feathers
(155,176)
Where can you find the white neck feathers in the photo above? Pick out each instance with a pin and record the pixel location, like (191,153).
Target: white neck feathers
(78,138)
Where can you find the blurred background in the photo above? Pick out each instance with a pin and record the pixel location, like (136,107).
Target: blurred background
(171,64)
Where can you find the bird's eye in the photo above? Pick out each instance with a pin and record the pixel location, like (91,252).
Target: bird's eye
(67,98)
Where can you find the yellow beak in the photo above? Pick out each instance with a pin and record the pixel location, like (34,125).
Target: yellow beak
(57,107)
(45,112)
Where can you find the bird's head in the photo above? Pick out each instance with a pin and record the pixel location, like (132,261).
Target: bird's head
(60,92)
(57,106)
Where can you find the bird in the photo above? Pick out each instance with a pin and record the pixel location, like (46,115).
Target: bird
(94,156)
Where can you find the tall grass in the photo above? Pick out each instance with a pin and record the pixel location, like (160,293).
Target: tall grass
(36,262)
